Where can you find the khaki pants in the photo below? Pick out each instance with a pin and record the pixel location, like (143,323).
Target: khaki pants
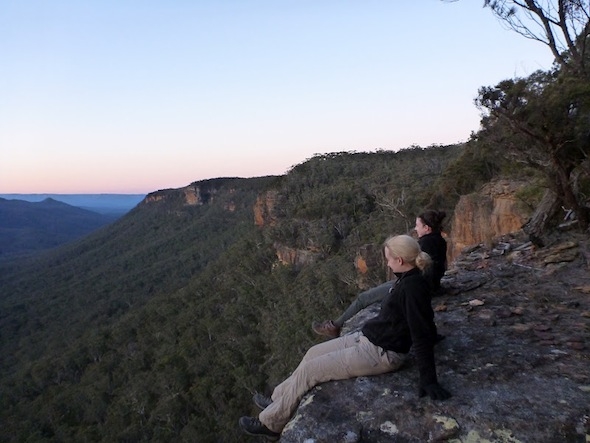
(345,357)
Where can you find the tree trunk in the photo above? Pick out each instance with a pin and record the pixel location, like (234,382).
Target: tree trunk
(568,196)
(547,208)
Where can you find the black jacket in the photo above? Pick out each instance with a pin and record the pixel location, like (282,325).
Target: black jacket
(406,319)
(435,246)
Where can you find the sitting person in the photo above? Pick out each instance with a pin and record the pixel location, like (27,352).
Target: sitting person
(428,228)
(406,320)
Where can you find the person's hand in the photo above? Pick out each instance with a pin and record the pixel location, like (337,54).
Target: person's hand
(434,391)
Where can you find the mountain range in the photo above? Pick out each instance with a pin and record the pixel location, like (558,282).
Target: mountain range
(28,227)
(108,204)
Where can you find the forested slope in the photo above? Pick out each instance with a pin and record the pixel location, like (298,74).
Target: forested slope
(162,324)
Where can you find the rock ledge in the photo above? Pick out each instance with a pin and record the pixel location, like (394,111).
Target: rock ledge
(516,358)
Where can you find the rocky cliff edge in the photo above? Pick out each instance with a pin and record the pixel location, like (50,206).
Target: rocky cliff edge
(516,358)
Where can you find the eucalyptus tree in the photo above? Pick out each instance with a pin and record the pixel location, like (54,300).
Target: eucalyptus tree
(546,118)
(551,110)
(562,25)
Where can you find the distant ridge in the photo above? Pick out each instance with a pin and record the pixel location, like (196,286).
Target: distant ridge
(109,204)
(28,227)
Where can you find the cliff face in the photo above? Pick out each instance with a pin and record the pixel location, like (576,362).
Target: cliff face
(482,216)
(264,216)
(190,196)
(478,218)
(515,358)
(264,209)
(196,194)
(369,262)
(295,257)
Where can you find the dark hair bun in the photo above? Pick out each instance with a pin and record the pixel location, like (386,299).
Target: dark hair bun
(433,218)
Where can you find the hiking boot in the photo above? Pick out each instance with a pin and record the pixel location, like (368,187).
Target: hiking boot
(327,328)
(252,426)
(261,401)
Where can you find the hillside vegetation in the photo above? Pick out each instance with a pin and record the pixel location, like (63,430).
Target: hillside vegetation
(162,323)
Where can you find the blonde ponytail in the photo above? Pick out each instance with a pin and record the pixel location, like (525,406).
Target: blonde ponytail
(423,261)
(408,249)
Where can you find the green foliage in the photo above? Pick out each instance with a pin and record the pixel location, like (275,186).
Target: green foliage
(544,121)
(472,168)
(162,325)
(334,197)
(531,195)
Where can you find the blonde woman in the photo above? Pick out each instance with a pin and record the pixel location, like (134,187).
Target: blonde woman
(429,231)
(405,320)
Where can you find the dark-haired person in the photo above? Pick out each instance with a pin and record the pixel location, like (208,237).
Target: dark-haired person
(429,230)
(405,321)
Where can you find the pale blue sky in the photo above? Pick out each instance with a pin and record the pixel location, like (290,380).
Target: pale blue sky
(132,96)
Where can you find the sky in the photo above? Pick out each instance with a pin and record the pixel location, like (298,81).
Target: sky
(133,96)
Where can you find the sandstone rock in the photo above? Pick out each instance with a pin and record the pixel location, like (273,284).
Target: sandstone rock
(264,209)
(295,257)
(369,263)
(493,211)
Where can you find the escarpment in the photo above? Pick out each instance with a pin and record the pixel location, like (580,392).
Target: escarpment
(191,195)
(264,208)
(198,194)
(493,211)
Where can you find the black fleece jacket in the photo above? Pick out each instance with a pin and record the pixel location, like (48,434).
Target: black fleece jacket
(435,246)
(406,319)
